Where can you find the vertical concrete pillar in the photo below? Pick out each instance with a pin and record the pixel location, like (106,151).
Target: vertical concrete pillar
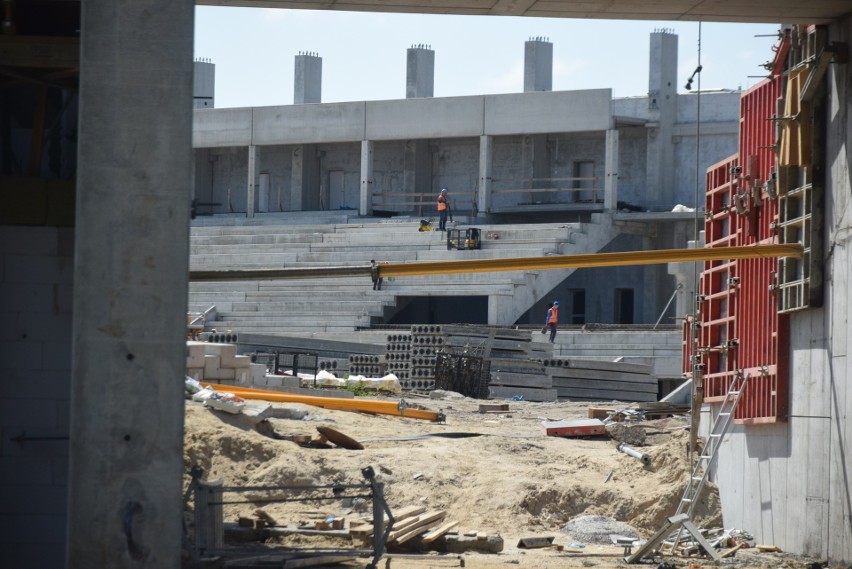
(538,65)
(308,79)
(420,72)
(366,202)
(251,182)
(296,174)
(131,261)
(486,159)
(662,111)
(611,168)
(204,84)
(263,193)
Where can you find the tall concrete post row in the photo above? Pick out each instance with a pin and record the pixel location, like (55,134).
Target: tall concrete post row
(130,284)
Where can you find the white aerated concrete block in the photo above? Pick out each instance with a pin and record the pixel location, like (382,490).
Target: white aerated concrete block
(239,362)
(220,374)
(194,355)
(211,365)
(242,376)
(274,380)
(258,374)
(195,373)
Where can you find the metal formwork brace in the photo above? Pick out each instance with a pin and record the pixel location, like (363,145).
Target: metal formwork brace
(697,479)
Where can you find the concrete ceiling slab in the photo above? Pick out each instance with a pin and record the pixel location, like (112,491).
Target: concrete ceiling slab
(750,11)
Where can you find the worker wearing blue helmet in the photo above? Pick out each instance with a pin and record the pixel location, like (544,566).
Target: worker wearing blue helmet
(444,210)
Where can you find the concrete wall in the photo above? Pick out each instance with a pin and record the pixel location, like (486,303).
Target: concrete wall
(36,270)
(789,484)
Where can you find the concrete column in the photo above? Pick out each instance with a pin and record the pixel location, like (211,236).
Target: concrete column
(366,205)
(307,86)
(131,261)
(538,65)
(204,84)
(611,168)
(251,184)
(420,72)
(296,175)
(486,159)
(263,193)
(662,112)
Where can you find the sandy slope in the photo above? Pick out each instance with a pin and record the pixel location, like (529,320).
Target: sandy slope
(512,480)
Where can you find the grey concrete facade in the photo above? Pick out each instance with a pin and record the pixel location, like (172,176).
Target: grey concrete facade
(420,72)
(538,65)
(573,148)
(204,85)
(307,79)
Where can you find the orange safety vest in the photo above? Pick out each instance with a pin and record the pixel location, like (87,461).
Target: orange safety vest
(442,203)
(554,313)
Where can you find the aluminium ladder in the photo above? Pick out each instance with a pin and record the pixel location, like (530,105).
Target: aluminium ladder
(698,477)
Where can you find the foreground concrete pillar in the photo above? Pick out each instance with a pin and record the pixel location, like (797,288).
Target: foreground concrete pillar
(130,284)
(366,205)
(486,159)
(611,168)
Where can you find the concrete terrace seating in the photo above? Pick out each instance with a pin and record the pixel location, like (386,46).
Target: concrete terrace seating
(340,305)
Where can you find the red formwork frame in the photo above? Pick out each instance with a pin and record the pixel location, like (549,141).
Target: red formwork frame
(740,331)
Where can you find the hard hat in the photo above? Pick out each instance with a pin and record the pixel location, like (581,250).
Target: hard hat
(443,190)
(556,303)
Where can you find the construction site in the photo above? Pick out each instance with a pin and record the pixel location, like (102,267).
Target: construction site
(275,358)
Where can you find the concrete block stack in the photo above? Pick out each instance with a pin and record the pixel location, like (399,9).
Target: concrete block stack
(587,380)
(220,363)
(337,366)
(368,365)
(398,355)
(426,340)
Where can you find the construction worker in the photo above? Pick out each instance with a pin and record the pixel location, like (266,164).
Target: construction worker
(552,320)
(444,210)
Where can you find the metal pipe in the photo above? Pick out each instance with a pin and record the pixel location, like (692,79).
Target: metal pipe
(646,460)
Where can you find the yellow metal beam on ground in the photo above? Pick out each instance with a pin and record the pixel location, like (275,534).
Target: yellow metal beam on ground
(362,405)
(509,264)
(589,260)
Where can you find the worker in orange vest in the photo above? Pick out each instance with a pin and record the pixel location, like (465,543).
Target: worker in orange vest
(444,210)
(552,320)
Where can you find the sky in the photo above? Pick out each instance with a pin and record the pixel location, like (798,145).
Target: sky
(364,54)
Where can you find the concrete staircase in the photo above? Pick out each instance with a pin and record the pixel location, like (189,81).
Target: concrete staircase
(341,305)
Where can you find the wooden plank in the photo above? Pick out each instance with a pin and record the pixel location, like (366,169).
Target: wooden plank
(605,385)
(493,407)
(500,392)
(407,512)
(436,533)
(421,526)
(420,522)
(317,561)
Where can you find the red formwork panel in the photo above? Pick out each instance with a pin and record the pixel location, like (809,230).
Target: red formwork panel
(741,332)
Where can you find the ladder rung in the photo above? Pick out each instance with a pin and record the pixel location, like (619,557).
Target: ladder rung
(725,414)
(733,393)
(715,434)
(686,499)
(698,478)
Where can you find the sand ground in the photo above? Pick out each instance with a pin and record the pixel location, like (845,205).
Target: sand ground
(509,480)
